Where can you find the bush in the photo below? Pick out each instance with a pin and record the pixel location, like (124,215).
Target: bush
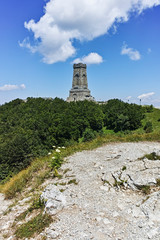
(148,127)
(88,135)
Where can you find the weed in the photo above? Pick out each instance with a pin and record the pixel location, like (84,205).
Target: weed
(158,182)
(21,216)
(35,225)
(62,190)
(66,170)
(36,204)
(73,181)
(144,188)
(119,183)
(144,200)
(63,183)
(105,181)
(56,174)
(7,211)
(124,168)
(151,156)
(56,160)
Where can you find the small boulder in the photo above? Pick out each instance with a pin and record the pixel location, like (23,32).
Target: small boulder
(54,200)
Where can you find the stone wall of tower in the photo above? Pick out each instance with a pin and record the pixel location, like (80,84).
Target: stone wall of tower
(79,91)
(79,76)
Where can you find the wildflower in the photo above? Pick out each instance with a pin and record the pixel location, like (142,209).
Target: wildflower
(53,146)
(63,147)
(49,153)
(57,150)
(53,157)
(59,147)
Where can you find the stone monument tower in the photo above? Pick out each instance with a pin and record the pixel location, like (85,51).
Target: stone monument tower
(79,91)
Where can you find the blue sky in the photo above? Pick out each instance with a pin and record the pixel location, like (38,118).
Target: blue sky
(120,43)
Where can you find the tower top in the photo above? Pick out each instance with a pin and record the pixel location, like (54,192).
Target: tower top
(79,65)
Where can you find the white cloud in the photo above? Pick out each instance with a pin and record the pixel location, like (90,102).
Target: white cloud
(9,87)
(92,58)
(67,20)
(131,53)
(146,95)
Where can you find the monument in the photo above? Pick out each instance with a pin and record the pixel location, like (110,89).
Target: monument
(79,91)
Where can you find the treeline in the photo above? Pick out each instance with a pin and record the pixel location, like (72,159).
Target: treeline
(30,128)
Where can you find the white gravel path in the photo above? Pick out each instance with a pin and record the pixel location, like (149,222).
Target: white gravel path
(97,210)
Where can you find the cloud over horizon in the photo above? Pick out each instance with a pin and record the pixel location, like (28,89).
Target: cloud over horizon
(9,87)
(69,20)
(131,53)
(146,95)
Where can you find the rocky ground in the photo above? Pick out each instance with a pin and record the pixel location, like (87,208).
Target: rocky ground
(103,195)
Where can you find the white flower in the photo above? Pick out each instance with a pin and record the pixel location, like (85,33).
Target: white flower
(63,147)
(57,150)
(53,146)
(53,157)
(59,147)
(49,153)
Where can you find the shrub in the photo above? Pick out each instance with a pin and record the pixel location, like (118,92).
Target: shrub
(88,135)
(148,127)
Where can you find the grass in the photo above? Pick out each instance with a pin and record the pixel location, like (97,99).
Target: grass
(73,181)
(17,183)
(119,183)
(37,203)
(152,156)
(158,182)
(35,225)
(145,189)
(152,117)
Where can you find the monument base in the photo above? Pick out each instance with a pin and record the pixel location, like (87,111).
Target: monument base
(79,95)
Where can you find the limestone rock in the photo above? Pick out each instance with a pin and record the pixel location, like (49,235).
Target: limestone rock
(54,199)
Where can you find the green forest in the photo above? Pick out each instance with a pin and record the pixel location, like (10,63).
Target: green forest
(30,128)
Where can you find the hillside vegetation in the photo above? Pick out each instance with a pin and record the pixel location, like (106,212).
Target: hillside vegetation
(29,129)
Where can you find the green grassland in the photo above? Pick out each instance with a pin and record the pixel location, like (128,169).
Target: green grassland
(154,118)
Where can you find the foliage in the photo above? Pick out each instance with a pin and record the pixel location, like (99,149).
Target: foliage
(120,116)
(152,117)
(56,159)
(30,128)
(88,135)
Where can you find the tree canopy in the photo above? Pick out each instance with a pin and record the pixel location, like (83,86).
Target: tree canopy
(30,128)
